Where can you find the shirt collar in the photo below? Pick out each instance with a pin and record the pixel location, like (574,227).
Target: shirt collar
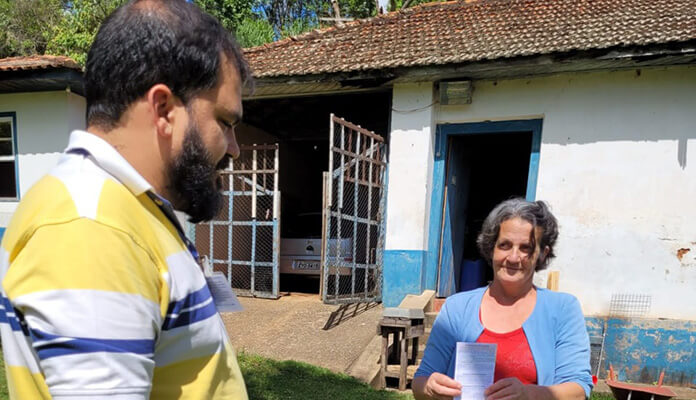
(110,160)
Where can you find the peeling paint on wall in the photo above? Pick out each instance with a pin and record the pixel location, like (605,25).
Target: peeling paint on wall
(639,349)
(681,252)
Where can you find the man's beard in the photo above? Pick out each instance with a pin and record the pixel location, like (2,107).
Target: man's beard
(194,181)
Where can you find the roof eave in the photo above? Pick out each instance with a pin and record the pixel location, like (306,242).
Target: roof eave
(40,80)
(679,53)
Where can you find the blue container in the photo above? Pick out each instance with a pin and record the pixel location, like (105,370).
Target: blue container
(473,274)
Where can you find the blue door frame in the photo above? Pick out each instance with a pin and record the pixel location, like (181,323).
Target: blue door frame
(442,135)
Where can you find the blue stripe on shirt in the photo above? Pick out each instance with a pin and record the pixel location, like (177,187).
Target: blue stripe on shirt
(9,319)
(192,299)
(75,345)
(190,317)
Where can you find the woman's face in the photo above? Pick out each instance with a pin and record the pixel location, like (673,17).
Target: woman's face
(514,255)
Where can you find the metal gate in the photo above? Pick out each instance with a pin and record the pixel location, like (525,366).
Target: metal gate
(354,204)
(243,240)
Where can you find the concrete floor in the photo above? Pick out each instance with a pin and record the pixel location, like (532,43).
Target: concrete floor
(290,328)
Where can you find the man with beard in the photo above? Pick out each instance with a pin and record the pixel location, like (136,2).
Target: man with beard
(102,294)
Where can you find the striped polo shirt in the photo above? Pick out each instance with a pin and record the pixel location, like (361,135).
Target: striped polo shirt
(100,295)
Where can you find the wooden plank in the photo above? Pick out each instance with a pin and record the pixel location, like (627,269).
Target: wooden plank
(552,280)
(357,128)
(393,371)
(384,363)
(326,177)
(403,362)
(361,157)
(415,331)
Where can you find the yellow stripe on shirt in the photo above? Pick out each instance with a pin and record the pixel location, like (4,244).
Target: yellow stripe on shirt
(82,254)
(22,384)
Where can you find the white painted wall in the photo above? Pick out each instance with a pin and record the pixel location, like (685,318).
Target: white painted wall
(617,165)
(411,145)
(44,122)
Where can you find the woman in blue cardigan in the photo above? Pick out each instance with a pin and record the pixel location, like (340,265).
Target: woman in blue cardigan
(543,351)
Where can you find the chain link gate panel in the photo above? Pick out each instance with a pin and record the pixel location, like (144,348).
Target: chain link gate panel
(243,240)
(354,204)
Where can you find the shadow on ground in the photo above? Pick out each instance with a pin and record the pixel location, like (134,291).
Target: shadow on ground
(292,328)
(347,311)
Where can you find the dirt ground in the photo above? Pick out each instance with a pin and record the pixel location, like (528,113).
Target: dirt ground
(290,328)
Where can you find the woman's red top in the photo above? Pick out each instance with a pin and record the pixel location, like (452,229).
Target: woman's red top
(513,357)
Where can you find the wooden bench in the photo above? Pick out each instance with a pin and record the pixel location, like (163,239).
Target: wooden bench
(405,332)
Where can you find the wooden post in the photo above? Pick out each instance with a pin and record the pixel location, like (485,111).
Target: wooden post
(552,280)
(403,361)
(385,361)
(326,200)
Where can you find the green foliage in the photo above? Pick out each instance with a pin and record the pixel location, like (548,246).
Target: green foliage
(78,27)
(68,27)
(254,31)
(230,13)
(298,26)
(358,8)
(27,26)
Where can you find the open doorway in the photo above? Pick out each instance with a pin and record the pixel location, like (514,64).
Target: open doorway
(300,128)
(482,168)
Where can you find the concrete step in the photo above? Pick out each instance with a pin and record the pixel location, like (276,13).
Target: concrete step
(366,366)
(430,318)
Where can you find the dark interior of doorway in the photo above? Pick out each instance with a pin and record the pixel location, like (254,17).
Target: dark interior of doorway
(301,127)
(490,168)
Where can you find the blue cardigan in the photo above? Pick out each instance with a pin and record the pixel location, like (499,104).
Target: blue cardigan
(555,331)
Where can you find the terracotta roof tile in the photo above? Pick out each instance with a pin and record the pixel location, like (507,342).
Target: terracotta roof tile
(459,31)
(37,62)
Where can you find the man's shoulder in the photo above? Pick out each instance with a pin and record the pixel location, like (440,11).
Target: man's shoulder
(72,190)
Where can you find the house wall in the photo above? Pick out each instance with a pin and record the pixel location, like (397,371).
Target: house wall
(44,122)
(618,167)
(408,197)
(615,168)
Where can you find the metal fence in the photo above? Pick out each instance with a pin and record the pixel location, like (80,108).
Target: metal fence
(242,241)
(354,203)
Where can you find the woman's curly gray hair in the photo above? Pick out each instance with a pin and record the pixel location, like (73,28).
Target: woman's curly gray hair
(536,213)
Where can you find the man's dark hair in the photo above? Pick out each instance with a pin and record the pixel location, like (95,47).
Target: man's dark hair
(146,42)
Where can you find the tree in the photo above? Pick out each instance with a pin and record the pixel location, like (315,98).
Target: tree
(230,13)
(254,31)
(27,26)
(68,27)
(78,27)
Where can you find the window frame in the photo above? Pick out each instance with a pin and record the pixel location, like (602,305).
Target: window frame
(12,118)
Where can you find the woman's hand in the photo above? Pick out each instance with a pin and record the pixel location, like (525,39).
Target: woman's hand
(507,389)
(438,387)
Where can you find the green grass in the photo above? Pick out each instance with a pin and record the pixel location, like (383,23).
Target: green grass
(601,396)
(268,379)
(4,393)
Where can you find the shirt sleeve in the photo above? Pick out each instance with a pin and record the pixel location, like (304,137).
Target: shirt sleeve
(441,345)
(88,296)
(573,348)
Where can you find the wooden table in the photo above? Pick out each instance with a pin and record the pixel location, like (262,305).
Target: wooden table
(405,332)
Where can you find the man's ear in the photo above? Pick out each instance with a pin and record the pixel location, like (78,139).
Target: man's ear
(160,100)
